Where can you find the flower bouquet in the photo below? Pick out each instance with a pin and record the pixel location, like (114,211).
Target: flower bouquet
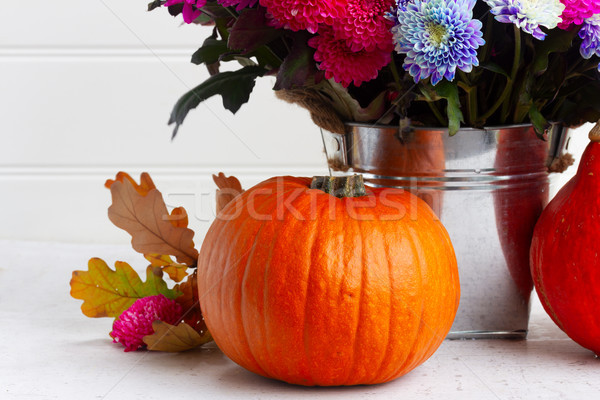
(419,62)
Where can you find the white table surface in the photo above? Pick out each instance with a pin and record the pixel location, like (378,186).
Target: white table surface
(50,350)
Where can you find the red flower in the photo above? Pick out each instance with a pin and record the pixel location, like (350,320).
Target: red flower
(303,14)
(344,65)
(191,8)
(365,26)
(578,10)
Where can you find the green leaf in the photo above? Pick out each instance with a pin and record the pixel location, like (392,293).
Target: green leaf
(493,67)
(210,52)
(449,91)
(155,4)
(107,293)
(251,31)
(537,119)
(233,86)
(557,41)
(297,67)
(216,10)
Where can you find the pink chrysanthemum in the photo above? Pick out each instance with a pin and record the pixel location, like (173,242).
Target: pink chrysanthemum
(191,8)
(136,322)
(300,15)
(576,11)
(344,65)
(365,26)
(241,4)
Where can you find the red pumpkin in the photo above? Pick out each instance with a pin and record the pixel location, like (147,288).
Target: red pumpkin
(301,286)
(564,256)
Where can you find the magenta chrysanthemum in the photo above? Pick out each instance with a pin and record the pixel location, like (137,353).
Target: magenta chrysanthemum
(191,8)
(365,26)
(576,11)
(136,322)
(240,4)
(344,65)
(300,15)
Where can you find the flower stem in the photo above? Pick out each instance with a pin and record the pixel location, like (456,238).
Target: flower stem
(395,74)
(471,101)
(231,12)
(513,74)
(437,113)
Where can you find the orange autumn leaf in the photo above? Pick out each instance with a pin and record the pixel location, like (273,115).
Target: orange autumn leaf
(176,272)
(179,217)
(143,214)
(143,188)
(228,189)
(174,338)
(107,293)
(190,304)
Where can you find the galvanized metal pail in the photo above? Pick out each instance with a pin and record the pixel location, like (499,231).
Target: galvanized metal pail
(487,186)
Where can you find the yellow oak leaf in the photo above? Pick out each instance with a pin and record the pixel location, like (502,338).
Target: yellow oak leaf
(141,211)
(107,293)
(228,189)
(176,272)
(174,338)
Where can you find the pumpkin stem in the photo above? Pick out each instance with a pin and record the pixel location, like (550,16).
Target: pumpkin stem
(595,133)
(340,186)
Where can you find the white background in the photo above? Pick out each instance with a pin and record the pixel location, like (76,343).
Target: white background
(86,88)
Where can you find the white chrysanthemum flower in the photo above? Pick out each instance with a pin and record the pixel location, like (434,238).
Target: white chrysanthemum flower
(528,15)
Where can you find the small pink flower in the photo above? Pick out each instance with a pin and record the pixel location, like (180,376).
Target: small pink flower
(344,65)
(191,8)
(578,10)
(136,322)
(300,15)
(365,26)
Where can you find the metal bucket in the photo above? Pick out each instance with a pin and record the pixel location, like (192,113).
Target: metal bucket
(487,186)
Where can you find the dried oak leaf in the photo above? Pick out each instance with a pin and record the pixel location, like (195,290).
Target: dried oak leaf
(107,293)
(146,183)
(190,304)
(228,189)
(176,272)
(174,338)
(141,211)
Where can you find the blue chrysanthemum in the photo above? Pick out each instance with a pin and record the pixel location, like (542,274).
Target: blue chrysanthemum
(590,33)
(528,15)
(437,37)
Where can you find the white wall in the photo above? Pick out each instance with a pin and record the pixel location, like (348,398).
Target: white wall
(86,88)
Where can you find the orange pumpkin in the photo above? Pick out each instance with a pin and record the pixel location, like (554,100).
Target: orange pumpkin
(301,286)
(564,255)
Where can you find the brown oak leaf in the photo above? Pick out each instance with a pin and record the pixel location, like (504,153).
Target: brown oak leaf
(174,338)
(228,189)
(141,211)
(146,183)
(190,303)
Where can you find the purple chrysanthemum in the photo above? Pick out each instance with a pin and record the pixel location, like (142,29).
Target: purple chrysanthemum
(438,36)
(136,322)
(590,34)
(191,8)
(528,15)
